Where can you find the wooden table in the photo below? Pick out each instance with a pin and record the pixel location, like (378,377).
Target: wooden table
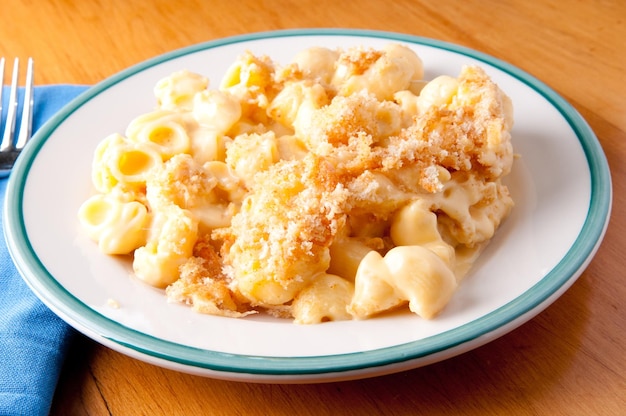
(569,360)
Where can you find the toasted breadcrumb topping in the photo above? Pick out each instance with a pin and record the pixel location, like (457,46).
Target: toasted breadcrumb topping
(359,60)
(296,208)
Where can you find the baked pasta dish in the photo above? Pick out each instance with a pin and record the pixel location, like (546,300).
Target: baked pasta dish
(337,186)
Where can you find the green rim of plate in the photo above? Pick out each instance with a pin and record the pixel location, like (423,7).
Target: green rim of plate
(508,316)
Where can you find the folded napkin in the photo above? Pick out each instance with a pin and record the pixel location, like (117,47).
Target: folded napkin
(33,341)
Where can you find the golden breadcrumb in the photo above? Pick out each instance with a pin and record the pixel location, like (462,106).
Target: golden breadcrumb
(359,60)
(285,226)
(203,285)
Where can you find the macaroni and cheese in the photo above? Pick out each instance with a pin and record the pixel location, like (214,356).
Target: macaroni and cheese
(338,186)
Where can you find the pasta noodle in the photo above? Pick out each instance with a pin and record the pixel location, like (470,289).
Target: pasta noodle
(337,186)
(164,130)
(119,227)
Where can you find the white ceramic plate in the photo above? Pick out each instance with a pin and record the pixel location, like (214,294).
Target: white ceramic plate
(561,185)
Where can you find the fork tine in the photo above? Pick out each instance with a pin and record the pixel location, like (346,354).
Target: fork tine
(9,128)
(1,84)
(27,109)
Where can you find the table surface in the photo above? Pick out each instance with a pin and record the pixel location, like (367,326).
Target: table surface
(568,360)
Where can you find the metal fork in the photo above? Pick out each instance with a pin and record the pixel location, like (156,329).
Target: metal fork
(10,148)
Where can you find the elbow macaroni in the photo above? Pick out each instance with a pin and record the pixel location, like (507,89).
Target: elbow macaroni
(338,186)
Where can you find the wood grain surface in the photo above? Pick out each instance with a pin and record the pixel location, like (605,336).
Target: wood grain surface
(569,360)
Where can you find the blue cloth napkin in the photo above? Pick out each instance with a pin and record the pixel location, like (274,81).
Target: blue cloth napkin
(33,340)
